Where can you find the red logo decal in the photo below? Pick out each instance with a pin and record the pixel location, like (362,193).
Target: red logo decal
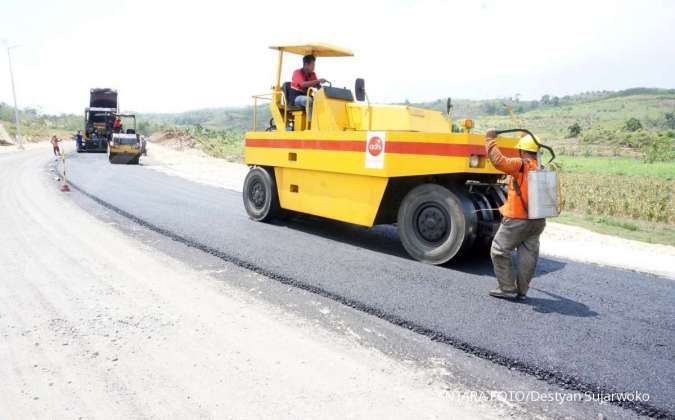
(375,146)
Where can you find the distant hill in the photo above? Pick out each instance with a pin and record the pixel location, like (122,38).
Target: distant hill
(610,110)
(631,122)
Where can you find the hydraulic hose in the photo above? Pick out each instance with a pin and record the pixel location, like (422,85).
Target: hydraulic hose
(553,166)
(522,130)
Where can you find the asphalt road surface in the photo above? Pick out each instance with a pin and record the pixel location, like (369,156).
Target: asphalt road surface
(584,327)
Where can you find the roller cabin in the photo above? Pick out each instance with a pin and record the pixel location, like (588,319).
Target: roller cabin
(369,164)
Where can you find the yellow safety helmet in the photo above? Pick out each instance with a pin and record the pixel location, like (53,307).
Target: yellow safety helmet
(527,143)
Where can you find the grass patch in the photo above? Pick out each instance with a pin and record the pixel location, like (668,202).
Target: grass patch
(617,223)
(637,230)
(616,166)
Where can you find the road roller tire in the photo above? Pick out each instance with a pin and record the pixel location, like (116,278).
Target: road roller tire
(111,158)
(261,200)
(433,224)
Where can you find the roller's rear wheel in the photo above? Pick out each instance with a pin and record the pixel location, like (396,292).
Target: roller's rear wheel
(260,195)
(433,224)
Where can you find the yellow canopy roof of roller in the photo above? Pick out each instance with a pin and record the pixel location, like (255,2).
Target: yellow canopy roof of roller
(317,50)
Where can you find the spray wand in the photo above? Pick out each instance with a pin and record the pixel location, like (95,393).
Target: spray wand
(522,130)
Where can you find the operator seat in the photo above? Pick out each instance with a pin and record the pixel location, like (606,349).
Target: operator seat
(286,89)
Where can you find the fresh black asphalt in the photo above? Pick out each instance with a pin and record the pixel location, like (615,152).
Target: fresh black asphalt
(584,327)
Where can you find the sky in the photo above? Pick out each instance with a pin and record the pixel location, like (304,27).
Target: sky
(170,56)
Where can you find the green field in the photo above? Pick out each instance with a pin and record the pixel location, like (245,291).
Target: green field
(617,166)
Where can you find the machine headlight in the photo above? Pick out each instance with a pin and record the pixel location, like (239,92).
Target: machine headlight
(466,124)
(474,161)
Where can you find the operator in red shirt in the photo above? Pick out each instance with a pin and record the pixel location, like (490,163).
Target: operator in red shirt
(303,79)
(117,125)
(517,231)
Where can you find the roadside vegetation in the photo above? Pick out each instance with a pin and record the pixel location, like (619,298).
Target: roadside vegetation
(36,126)
(226,144)
(621,196)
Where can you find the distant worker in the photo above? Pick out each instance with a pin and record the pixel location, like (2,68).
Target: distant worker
(303,79)
(55,146)
(516,231)
(78,139)
(117,125)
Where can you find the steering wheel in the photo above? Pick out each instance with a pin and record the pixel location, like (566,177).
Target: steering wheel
(327,83)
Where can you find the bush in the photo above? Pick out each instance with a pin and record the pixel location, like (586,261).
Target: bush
(670,119)
(633,124)
(573,130)
(658,147)
(602,135)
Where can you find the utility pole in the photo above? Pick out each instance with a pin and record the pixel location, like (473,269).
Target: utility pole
(19,140)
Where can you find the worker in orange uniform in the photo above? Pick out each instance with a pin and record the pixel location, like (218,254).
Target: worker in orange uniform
(55,146)
(516,231)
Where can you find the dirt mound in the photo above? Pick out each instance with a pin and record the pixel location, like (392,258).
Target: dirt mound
(173,139)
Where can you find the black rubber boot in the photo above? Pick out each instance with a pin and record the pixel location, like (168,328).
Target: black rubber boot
(503,294)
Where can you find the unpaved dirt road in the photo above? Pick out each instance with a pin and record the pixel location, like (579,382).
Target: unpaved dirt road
(94,324)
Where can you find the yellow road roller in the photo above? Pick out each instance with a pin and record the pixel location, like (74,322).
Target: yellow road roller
(350,160)
(125,145)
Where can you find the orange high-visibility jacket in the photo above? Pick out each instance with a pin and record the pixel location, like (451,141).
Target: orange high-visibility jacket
(517,168)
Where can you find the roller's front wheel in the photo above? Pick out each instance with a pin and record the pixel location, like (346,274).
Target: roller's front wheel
(261,200)
(432,224)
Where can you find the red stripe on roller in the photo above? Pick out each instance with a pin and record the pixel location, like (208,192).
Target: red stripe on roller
(437,149)
(399,147)
(339,145)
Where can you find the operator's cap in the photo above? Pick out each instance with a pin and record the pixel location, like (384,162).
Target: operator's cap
(528,144)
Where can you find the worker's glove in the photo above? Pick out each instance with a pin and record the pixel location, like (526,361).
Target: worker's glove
(491,134)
